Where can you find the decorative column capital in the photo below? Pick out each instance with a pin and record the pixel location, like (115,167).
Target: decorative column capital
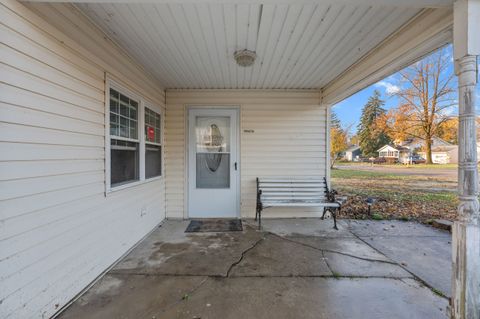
(467,66)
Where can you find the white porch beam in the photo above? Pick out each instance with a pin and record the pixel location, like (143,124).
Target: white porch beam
(426,32)
(389,3)
(465,301)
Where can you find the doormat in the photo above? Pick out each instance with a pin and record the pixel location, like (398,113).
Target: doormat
(214,225)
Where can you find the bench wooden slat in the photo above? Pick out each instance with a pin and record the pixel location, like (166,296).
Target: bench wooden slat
(299,189)
(293,193)
(293,181)
(296,192)
(300,204)
(292,198)
(298,185)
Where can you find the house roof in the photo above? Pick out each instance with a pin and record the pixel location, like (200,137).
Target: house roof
(394,147)
(440,142)
(352,148)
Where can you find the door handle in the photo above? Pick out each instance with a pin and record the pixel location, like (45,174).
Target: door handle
(235,165)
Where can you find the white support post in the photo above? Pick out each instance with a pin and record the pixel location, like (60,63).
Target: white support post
(328,163)
(465,303)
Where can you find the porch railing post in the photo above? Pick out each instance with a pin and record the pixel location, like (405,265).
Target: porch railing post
(465,302)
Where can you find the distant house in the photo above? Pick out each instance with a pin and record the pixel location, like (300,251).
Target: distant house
(417,144)
(442,151)
(352,152)
(394,153)
(446,154)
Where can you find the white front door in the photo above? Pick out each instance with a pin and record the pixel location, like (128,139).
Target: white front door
(213,169)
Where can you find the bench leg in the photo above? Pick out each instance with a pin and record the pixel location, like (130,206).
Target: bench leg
(260,220)
(324,212)
(334,214)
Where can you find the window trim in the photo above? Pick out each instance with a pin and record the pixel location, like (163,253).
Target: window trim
(142,104)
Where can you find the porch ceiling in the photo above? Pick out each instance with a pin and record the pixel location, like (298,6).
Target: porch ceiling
(298,46)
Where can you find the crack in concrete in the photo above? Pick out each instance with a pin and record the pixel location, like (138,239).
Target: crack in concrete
(188,294)
(146,274)
(328,265)
(243,255)
(423,282)
(322,276)
(264,276)
(336,252)
(400,236)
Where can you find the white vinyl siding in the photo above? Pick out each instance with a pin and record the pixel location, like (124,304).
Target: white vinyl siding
(58,230)
(282,134)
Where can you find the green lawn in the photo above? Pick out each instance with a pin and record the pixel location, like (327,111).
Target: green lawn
(358,174)
(401,166)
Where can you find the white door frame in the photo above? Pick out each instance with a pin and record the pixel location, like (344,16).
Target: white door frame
(187,109)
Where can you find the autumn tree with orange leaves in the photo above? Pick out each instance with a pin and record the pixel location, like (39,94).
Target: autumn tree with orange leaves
(448,131)
(426,98)
(338,139)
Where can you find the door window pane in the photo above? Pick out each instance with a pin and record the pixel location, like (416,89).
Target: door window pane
(212,152)
(213,170)
(213,134)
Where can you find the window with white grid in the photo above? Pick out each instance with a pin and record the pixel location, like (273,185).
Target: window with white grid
(124,141)
(134,138)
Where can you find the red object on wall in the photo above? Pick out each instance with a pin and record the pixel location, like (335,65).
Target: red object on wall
(151,133)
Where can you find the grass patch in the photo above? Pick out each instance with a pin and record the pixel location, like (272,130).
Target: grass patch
(376,216)
(348,174)
(438,292)
(401,166)
(432,166)
(336,275)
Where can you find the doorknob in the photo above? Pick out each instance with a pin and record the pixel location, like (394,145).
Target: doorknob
(235,165)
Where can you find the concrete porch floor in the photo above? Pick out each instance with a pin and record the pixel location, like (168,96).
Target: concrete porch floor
(294,268)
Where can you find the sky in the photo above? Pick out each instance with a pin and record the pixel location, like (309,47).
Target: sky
(350,109)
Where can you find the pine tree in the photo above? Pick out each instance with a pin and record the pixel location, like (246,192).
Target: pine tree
(334,121)
(371,134)
(338,138)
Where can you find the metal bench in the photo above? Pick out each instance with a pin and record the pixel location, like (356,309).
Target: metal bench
(283,192)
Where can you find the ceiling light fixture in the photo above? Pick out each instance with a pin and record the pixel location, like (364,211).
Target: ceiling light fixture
(245,57)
